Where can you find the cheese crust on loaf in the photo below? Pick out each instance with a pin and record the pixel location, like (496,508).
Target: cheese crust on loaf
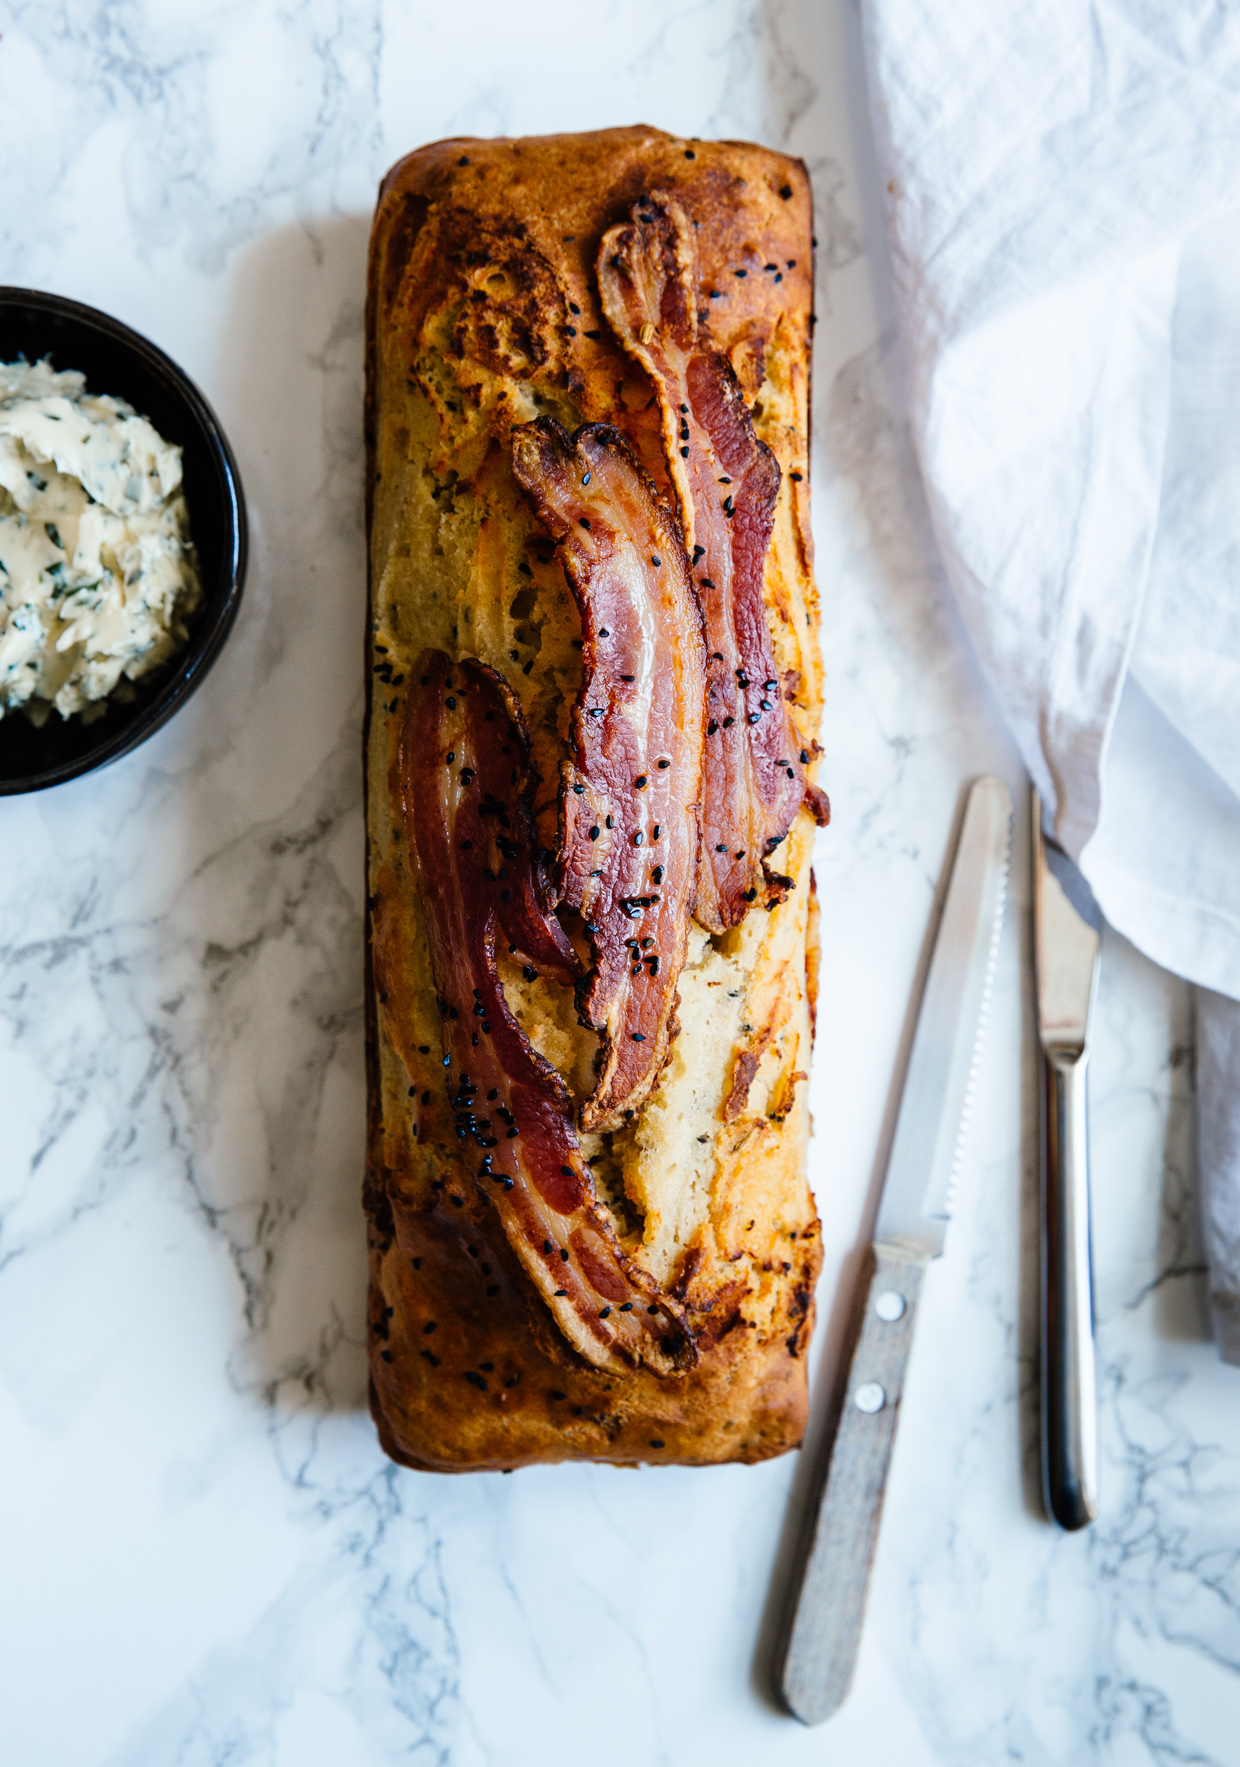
(484,313)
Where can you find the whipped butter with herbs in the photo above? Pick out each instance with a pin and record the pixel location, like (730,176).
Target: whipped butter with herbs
(97,572)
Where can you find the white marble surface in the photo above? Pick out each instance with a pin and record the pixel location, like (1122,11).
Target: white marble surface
(204,1559)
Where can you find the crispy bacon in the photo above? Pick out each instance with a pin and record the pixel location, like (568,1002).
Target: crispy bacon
(727,482)
(629,800)
(465,781)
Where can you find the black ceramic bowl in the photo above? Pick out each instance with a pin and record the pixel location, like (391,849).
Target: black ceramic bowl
(116,360)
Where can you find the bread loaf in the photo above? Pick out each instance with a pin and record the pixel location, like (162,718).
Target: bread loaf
(591,1233)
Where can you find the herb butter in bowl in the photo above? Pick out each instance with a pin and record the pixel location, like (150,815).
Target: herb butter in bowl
(122,539)
(97,574)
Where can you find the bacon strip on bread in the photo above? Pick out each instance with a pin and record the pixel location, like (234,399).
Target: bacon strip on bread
(630,796)
(727,482)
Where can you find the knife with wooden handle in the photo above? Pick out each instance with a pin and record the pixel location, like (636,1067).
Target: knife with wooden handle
(827,1603)
(1067,940)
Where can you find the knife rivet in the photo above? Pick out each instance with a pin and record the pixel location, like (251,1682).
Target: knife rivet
(890,1305)
(869,1397)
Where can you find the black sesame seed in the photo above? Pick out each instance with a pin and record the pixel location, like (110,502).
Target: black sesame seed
(583,522)
(586,479)
(640,781)
(785,191)
(638,839)
(594,831)
(451,703)
(603,632)
(711,728)
(804,757)
(638,1036)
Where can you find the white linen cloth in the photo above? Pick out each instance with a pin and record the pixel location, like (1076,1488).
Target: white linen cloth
(1064,219)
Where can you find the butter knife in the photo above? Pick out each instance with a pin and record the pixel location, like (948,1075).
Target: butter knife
(827,1603)
(1067,940)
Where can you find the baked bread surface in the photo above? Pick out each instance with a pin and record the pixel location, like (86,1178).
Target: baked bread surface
(483,312)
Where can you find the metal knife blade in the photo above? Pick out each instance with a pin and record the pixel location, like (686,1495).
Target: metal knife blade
(1067,928)
(935,1105)
(827,1601)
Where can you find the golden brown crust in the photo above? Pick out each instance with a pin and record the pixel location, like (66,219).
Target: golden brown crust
(483,312)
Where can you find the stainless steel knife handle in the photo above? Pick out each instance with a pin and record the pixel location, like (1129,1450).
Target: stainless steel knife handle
(1069,1380)
(826,1609)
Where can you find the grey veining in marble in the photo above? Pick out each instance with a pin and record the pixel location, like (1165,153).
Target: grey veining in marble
(204,1558)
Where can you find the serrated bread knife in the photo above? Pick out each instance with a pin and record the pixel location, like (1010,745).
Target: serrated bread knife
(827,1605)
(1067,940)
